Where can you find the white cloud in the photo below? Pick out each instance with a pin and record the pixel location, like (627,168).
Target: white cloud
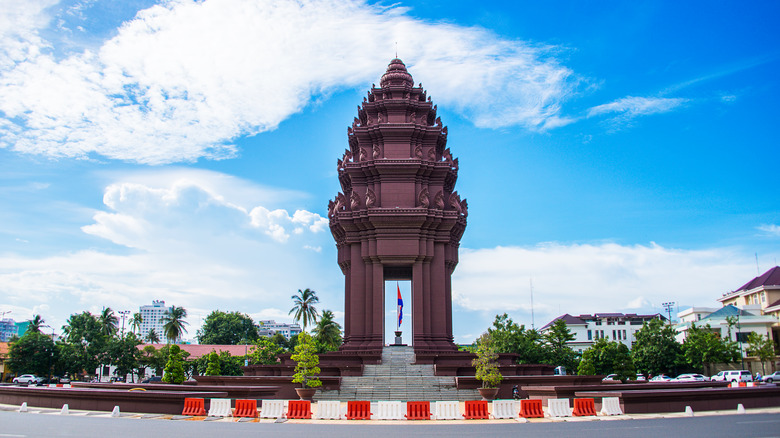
(770,229)
(184,243)
(184,79)
(593,278)
(19,25)
(630,107)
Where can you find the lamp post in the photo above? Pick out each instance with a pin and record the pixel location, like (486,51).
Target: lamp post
(739,341)
(123,314)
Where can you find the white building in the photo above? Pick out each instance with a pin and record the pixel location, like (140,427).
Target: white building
(587,329)
(151,318)
(743,321)
(271,327)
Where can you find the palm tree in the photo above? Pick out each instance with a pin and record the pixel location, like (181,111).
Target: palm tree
(152,337)
(173,323)
(328,332)
(35,324)
(108,322)
(136,321)
(304,307)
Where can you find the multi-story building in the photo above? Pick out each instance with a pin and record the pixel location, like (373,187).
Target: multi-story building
(729,322)
(271,327)
(8,329)
(761,293)
(587,329)
(151,318)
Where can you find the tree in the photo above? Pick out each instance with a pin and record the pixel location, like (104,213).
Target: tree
(327,333)
(33,353)
(606,357)
(265,352)
(136,322)
(153,358)
(303,307)
(213,368)
(762,347)
(35,324)
(124,354)
(225,328)
(173,323)
(153,337)
(509,337)
(87,342)
(174,369)
(306,362)
(703,346)
(558,352)
(656,351)
(108,322)
(485,363)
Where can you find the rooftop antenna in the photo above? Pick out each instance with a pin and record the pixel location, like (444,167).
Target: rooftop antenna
(532,304)
(396,50)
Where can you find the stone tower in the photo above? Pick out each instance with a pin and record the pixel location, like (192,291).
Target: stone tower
(398,216)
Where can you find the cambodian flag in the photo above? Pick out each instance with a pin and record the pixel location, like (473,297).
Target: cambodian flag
(400,306)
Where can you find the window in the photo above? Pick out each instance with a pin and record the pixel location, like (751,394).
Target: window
(613,335)
(590,335)
(624,335)
(602,333)
(742,336)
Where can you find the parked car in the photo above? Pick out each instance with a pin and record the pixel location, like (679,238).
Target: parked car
(28,379)
(733,376)
(609,377)
(58,379)
(769,378)
(661,378)
(690,377)
(153,379)
(640,376)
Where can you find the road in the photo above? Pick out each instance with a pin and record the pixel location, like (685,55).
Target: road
(23,425)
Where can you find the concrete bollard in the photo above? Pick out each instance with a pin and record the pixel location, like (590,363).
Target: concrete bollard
(688,411)
(64,410)
(23,407)
(740,409)
(115,412)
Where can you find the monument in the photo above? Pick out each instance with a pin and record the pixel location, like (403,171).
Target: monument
(398,216)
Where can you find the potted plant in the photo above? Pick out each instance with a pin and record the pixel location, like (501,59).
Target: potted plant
(487,367)
(306,367)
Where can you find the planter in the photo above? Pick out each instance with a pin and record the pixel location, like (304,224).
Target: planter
(488,393)
(306,393)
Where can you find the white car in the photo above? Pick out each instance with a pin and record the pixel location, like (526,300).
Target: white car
(28,379)
(690,378)
(733,376)
(661,378)
(774,377)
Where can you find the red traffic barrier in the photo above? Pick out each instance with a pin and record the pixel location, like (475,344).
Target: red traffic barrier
(246,408)
(742,384)
(418,410)
(299,409)
(584,407)
(193,406)
(531,409)
(476,410)
(359,410)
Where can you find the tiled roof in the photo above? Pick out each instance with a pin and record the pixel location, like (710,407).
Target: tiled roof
(568,319)
(197,351)
(768,278)
(4,347)
(725,311)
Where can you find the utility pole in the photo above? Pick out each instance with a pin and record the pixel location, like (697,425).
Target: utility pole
(669,306)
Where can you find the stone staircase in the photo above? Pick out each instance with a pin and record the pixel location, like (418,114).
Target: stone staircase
(398,379)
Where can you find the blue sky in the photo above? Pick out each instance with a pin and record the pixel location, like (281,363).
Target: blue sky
(616,154)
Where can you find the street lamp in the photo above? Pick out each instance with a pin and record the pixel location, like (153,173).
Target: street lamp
(124,314)
(739,341)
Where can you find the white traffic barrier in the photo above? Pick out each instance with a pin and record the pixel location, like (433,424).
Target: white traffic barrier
(67,385)
(115,412)
(390,410)
(52,385)
(558,407)
(740,409)
(611,406)
(750,384)
(220,407)
(504,409)
(64,410)
(448,410)
(272,409)
(688,411)
(328,410)
(734,385)
(23,407)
